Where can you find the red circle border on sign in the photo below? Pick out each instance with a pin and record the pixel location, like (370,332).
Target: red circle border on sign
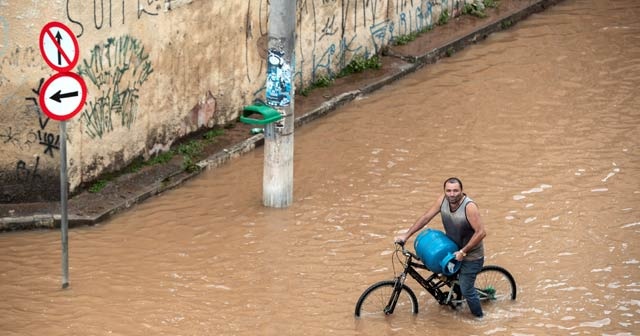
(76,55)
(43,90)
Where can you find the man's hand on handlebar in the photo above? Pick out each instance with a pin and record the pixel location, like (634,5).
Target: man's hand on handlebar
(401,239)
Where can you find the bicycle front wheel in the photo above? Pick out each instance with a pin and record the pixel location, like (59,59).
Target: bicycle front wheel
(378,300)
(495,283)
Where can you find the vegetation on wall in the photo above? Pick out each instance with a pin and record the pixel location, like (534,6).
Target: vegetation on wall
(404,39)
(444,17)
(191,151)
(477,9)
(321,81)
(359,63)
(450,51)
(491,3)
(506,24)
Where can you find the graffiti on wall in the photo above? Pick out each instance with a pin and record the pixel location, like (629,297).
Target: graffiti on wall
(117,68)
(255,37)
(337,37)
(28,172)
(16,61)
(48,141)
(39,145)
(344,33)
(427,18)
(109,13)
(360,28)
(335,31)
(329,28)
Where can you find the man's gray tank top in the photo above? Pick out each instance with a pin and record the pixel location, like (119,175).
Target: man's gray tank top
(458,228)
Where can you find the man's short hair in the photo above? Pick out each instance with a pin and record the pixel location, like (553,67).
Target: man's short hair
(452,180)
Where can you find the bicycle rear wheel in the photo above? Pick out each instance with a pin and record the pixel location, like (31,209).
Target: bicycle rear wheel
(375,301)
(495,284)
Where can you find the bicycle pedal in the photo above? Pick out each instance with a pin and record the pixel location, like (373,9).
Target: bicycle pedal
(442,298)
(454,306)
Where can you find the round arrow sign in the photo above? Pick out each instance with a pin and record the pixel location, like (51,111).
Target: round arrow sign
(63,95)
(59,46)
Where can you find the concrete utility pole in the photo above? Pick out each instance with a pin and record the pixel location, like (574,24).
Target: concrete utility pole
(277,180)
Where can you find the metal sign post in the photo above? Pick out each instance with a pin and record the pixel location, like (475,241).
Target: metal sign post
(64,222)
(62,96)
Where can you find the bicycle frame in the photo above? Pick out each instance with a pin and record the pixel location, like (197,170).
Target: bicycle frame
(432,284)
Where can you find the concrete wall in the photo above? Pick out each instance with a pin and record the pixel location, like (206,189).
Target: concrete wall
(157,70)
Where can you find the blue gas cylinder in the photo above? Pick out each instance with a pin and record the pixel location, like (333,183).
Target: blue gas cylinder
(436,250)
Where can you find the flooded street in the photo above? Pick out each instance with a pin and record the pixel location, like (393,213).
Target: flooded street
(542,124)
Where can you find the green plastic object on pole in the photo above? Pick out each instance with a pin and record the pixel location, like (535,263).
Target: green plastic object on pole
(266,113)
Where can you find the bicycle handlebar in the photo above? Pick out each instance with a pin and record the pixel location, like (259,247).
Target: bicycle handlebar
(405,251)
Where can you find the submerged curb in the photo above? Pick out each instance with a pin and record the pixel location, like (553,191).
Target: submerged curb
(175,179)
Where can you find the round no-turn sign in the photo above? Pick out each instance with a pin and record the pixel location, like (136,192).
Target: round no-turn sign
(63,95)
(59,46)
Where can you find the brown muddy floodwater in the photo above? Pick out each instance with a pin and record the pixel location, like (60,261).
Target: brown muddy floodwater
(542,124)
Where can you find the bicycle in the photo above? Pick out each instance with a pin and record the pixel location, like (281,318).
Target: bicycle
(493,283)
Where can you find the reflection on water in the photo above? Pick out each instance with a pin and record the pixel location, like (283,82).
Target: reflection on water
(541,122)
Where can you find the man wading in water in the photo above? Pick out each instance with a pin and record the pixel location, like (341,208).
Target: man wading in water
(462,224)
